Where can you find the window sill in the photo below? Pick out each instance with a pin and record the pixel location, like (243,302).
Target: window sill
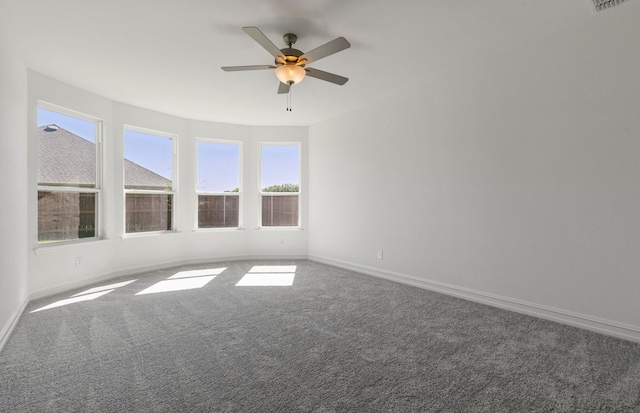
(279,229)
(42,249)
(221,229)
(148,234)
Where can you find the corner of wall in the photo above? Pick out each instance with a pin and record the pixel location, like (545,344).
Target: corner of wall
(11,323)
(13,169)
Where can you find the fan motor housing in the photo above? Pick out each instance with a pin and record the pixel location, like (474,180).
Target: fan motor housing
(291,55)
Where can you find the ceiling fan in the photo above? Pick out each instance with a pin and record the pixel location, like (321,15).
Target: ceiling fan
(290,64)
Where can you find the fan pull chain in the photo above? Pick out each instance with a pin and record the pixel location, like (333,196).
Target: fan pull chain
(289,101)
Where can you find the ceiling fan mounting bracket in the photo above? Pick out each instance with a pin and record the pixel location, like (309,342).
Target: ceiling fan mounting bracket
(290,39)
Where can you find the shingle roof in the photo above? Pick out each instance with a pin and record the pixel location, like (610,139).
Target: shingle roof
(138,177)
(64,157)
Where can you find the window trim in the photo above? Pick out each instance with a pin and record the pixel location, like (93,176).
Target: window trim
(240,184)
(174,182)
(260,193)
(99,171)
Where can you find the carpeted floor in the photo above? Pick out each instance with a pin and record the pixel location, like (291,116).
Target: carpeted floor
(333,341)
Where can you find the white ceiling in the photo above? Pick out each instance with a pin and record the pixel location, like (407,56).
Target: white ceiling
(166,55)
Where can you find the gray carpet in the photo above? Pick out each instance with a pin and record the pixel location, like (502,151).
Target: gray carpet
(334,341)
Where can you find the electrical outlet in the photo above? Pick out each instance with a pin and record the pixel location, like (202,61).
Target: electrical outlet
(380,254)
(78,261)
(281,242)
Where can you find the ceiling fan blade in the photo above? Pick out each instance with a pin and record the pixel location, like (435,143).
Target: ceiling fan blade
(241,68)
(283,88)
(263,41)
(327,49)
(329,77)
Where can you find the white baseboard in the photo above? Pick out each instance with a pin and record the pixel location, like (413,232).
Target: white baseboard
(608,327)
(7,329)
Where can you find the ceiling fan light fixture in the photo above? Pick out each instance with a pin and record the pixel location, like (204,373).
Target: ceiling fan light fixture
(290,74)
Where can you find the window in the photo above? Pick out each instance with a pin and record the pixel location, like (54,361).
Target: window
(149,177)
(280,185)
(218,184)
(69,153)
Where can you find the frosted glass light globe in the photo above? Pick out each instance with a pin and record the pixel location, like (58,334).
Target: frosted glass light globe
(290,74)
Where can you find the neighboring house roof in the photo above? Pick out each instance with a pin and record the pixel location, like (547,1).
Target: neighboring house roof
(138,177)
(66,158)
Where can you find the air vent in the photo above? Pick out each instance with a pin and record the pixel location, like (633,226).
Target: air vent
(605,4)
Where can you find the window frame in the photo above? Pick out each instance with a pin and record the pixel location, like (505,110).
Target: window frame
(261,194)
(240,185)
(174,182)
(99,173)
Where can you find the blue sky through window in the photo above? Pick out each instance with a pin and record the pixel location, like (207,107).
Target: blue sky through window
(280,165)
(218,167)
(152,152)
(80,127)
(218,164)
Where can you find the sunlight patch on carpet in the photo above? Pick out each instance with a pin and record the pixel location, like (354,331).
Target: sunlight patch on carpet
(184,280)
(273,268)
(104,287)
(177,285)
(87,295)
(268,276)
(198,273)
(72,300)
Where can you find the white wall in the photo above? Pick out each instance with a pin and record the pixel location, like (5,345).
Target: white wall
(52,268)
(13,197)
(515,185)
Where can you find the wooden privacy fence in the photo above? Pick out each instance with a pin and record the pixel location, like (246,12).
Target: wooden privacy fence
(280,210)
(218,211)
(72,215)
(66,215)
(148,212)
